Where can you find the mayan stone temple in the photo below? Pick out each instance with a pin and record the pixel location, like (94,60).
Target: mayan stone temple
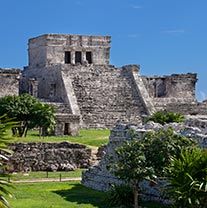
(73,73)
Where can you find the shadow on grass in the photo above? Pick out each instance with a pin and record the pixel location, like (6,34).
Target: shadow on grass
(83,195)
(34,134)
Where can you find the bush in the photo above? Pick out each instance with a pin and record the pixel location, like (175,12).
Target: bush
(120,195)
(164,117)
(188,179)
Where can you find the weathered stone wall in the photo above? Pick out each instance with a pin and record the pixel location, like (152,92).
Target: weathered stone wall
(50,49)
(188,108)
(55,89)
(9,81)
(50,85)
(48,156)
(106,94)
(101,94)
(180,87)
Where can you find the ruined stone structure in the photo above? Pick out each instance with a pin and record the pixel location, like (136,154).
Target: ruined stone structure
(9,81)
(73,73)
(98,176)
(48,157)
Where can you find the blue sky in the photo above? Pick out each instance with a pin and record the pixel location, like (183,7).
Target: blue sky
(163,36)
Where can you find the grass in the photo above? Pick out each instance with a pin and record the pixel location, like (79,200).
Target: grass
(60,194)
(43,174)
(56,195)
(89,137)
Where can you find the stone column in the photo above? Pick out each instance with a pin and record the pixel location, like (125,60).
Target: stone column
(83,56)
(72,57)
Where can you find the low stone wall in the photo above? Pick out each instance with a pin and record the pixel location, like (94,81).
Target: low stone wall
(188,108)
(48,157)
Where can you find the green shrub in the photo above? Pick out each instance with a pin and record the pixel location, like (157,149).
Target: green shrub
(120,195)
(188,179)
(164,117)
(160,146)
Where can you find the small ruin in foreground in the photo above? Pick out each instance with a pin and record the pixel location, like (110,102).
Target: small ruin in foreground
(98,177)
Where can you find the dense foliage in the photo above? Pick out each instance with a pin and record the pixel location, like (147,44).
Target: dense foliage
(188,179)
(160,146)
(4,184)
(164,117)
(30,113)
(148,157)
(120,195)
(132,166)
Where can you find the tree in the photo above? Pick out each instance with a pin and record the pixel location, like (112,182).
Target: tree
(4,184)
(131,166)
(168,145)
(29,111)
(139,159)
(43,117)
(188,179)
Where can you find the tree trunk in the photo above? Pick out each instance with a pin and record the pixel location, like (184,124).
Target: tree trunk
(25,132)
(135,198)
(14,131)
(40,132)
(136,193)
(20,131)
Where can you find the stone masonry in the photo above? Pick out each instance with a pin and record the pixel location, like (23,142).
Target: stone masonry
(43,156)
(73,73)
(9,81)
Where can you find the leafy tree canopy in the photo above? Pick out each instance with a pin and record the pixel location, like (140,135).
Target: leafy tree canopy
(132,166)
(144,158)
(29,111)
(160,146)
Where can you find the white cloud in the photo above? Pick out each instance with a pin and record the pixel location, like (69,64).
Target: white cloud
(174,32)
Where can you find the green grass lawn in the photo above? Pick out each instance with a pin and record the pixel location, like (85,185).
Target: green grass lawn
(89,137)
(43,174)
(56,195)
(60,194)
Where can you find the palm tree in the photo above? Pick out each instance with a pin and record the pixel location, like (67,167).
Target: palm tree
(4,184)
